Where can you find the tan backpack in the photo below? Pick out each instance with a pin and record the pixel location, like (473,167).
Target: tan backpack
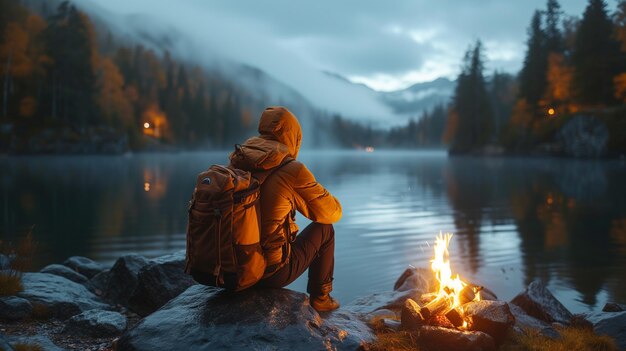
(223,231)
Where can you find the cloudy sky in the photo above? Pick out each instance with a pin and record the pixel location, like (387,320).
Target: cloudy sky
(386,45)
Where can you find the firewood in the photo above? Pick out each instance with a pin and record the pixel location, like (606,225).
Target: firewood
(467,294)
(440,305)
(455,317)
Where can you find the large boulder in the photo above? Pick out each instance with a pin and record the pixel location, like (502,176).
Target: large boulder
(96,323)
(584,136)
(206,318)
(524,322)
(14,308)
(99,282)
(84,266)
(491,317)
(612,324)
(420,279)
(65,271)
(158,282)
(62,297)
(123,277)
(538,301)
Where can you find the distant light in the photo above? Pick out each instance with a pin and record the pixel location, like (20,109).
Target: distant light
(146,125)
(146,186)
(551,111)
(369,149)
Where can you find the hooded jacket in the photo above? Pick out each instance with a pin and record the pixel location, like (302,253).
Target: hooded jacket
(291,187)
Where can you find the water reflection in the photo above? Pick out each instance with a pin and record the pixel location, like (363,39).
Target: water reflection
(515,220)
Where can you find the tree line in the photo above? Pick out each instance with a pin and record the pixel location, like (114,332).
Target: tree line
(572,66)
(59,72)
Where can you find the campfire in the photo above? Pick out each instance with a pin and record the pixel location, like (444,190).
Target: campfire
(444,306)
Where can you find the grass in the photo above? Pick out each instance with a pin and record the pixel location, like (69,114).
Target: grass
(11,279)
(10,282)
(395,341)
(27,347)
(571,339)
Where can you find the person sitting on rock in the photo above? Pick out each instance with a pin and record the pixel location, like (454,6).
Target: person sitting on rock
(286,189)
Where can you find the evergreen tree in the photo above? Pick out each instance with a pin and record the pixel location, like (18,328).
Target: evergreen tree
(533,75)
(471,106)
(554,37)
(70,44)
(596,57)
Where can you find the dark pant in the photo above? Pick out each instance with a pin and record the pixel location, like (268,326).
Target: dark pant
(314,248)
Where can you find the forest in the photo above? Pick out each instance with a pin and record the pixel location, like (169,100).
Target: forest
(573,69)
(69,85)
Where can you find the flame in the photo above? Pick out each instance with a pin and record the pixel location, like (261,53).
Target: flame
(449,287)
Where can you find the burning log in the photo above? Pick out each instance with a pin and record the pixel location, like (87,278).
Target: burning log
(440,305)
(468,294)
(455,317)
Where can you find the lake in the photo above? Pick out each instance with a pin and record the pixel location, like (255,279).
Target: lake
(513,219)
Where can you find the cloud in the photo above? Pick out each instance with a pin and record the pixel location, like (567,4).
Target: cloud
(386,45)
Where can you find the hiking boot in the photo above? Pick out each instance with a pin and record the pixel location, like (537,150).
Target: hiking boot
(324,303)
(321,299)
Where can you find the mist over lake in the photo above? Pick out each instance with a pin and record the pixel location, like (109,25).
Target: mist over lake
(513,219)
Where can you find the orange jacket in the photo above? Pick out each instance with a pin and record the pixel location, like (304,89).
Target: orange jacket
(291,187)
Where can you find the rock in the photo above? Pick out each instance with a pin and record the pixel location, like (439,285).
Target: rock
(65,271)
(122,279)
(613,307)
(412,278)
(4,344)
(62,297)
(523,321)
(439,338)
(486,294)
(410,318)
(584,136)
(43,342)
(538,302)
(381,314)
(84,266)
(491,317)
(96,323)
(206,318)
(5,262)
(158,282)
(14,308)
(390,300)
(99,282)
(612,324)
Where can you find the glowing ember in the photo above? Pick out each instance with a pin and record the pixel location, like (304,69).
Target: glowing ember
(450,288)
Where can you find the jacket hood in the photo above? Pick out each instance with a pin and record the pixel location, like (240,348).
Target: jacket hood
(279,124)
(279,137)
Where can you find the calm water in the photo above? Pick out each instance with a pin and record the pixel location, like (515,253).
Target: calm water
(514,220)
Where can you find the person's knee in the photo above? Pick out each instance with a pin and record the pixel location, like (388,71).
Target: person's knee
(328,231)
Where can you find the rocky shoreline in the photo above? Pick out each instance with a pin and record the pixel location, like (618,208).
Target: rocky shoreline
(147,304)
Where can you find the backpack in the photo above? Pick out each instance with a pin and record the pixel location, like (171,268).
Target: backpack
(223,230)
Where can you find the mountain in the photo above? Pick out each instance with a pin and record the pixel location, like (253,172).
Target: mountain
(419,97)
(412,101)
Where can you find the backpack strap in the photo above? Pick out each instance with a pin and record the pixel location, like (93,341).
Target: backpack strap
(262,176)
